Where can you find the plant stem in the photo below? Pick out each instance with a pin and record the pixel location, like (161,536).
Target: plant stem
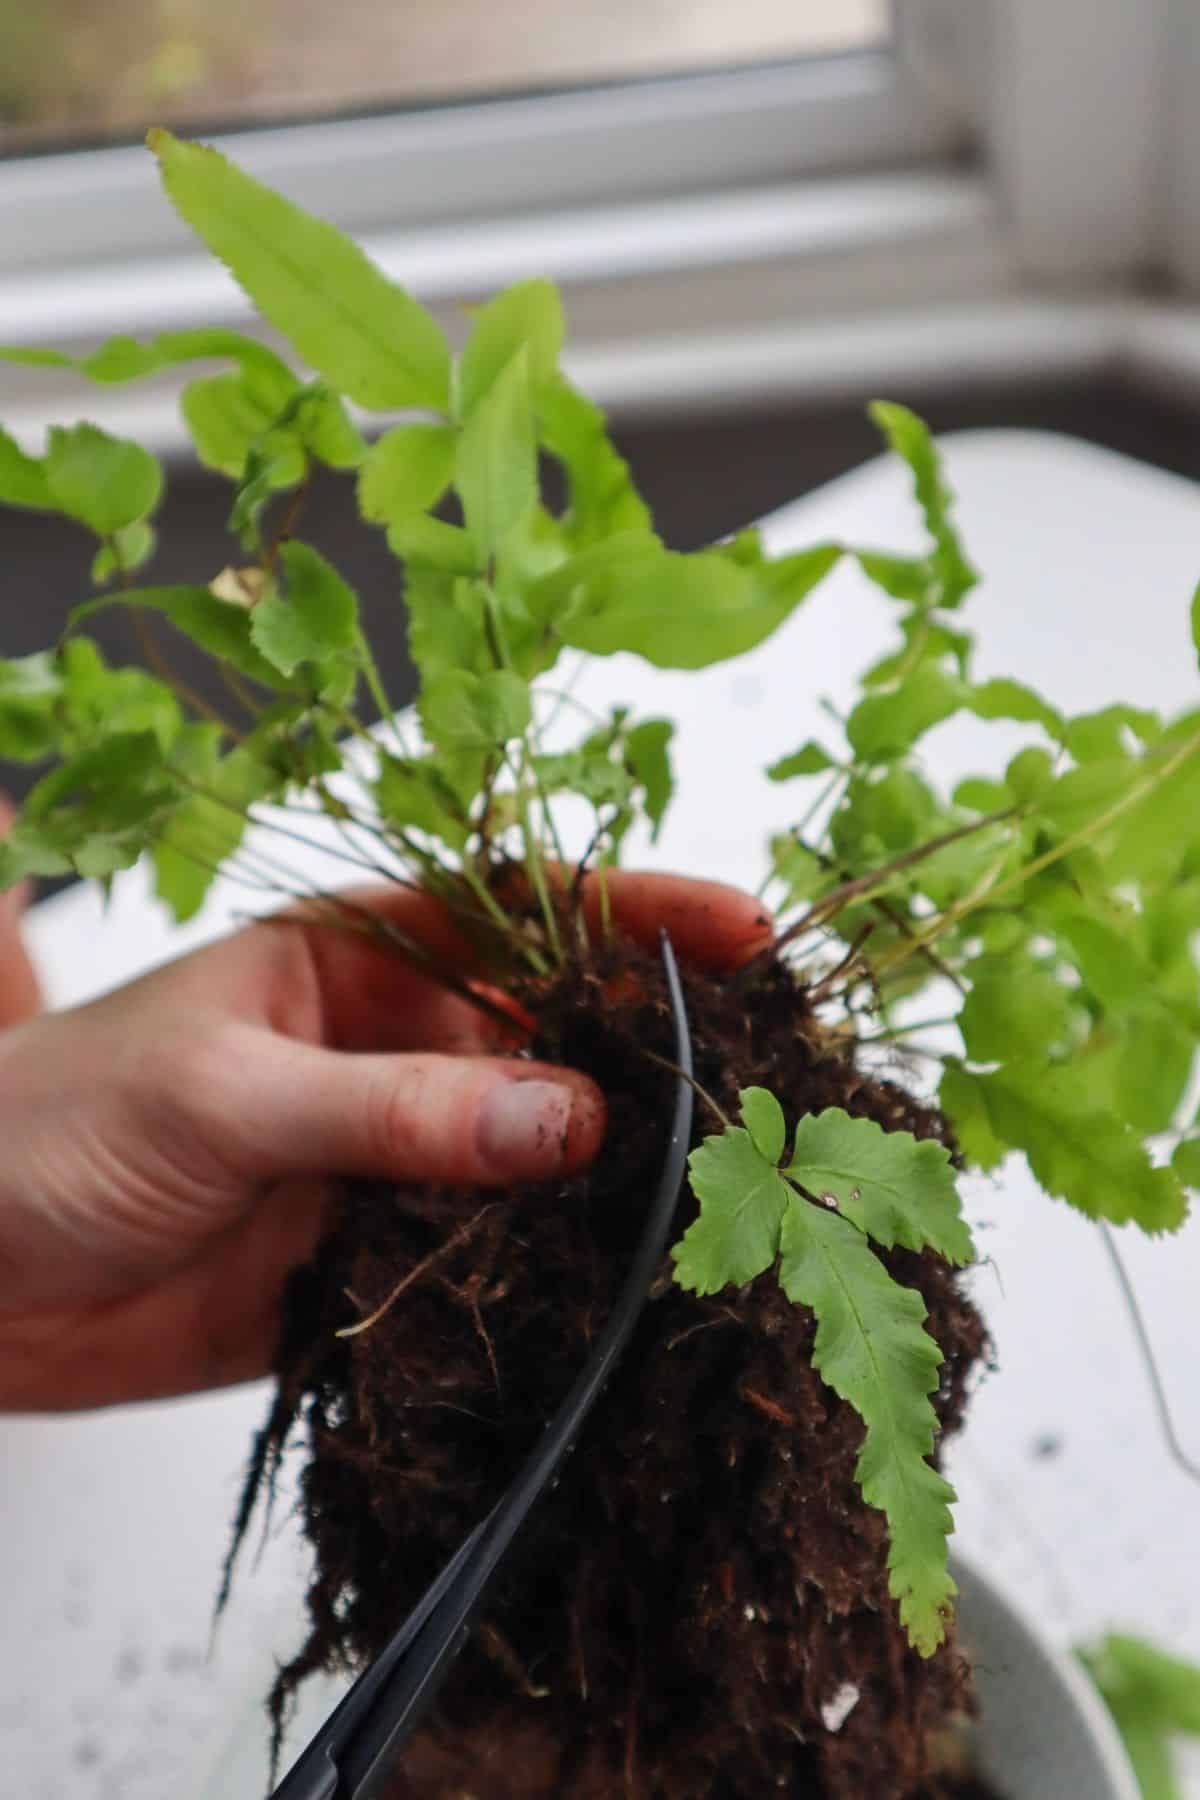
(1075,841)
(860,887)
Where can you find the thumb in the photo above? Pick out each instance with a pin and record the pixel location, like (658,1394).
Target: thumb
(421,1117)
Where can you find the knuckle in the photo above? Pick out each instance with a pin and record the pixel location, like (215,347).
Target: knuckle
(392,1105)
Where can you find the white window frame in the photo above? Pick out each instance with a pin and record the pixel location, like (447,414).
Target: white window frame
(996,198)
(478,160)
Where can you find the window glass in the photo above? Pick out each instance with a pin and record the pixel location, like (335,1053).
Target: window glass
(75,71)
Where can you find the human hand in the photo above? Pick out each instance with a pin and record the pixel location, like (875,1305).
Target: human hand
(166,1147)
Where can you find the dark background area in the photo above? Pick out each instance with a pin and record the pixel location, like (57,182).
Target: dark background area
(703,477)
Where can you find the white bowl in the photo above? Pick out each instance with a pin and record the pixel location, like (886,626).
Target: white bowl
(1043,1733)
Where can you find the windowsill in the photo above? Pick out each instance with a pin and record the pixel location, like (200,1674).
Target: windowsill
(652,289)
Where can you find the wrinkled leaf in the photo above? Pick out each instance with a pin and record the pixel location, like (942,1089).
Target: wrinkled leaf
(105,482)
(461,711)
(896,1188)
(872,1349)
(311,616)
(743,1198)
(909,437)
(1074,1145)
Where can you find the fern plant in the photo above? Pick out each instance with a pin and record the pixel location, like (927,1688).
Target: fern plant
(1046,911)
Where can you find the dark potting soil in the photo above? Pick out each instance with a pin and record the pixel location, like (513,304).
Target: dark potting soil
(706,1577)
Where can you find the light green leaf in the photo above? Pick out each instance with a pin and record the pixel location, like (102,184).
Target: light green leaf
(30,690)
(902,577)
(104,482)
(593,571)
(435,545)
(871,1349)
(884,725)
(406,472)
(924,644)
(207,827)
(312,616)
(1005,699)
(1015,1008)
(648,755)
(496,459)
(527,316)
(799,868)
(98,701)
(1186,1162)
(1109,959)
(357,329)
(30,849)
(961,1100)
(743,1198)
(126,359)
(1102,735)
(99,809)
(685,612)
(461,711)
(898,1189)
(218,626)
(227,419)
(1150,838)
(1075,1146)
(909,437)
(126,552)
(328,431)
(1153,1064)
(23,478)
(1029,775)
(1078,797)
(603,498)
(413,794)
(763,1118)
(1152,1697)
(982,795)
(589,772)
(810,759)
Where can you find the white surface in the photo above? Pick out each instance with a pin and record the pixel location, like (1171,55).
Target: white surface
(115,1524)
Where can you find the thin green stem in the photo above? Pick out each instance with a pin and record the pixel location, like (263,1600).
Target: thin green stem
(862,887)
(899,1031)
(1075,840)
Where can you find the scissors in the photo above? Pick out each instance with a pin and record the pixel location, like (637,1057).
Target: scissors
(355,1753)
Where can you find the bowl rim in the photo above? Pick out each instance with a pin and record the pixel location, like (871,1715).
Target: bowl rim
(969,1572)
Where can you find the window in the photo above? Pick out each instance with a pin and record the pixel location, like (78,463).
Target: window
(689,170)
(70,71)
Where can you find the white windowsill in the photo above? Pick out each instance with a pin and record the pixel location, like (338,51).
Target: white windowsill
(768,296)
(715,276)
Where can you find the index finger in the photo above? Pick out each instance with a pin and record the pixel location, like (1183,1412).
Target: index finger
(710,924)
